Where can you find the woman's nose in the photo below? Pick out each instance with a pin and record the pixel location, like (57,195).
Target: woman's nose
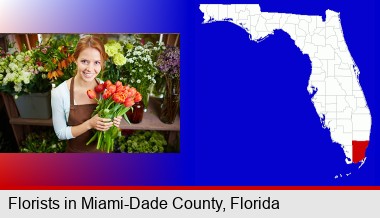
(90,67)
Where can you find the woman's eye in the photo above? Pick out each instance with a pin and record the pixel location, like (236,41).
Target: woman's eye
(97,62)
(84,61)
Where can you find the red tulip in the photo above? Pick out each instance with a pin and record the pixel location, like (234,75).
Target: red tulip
(138,97)
(118,84)
(129,102)
(132,91)
(120,88)
(119,97)
(107,83)
(91,94)
(99,88)
(111,88)
(107,94)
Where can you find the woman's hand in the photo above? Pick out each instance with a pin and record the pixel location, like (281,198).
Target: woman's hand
(101,124)
(116,121)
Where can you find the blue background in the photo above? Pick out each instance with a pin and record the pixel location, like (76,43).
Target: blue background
(246,116)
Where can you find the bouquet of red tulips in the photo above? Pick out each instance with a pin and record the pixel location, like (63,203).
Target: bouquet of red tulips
(115,101)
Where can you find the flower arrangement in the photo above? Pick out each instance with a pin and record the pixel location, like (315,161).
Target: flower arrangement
(114,50)
(140,68)
(168,63)
(116,100)
(16,73)
(37,69)
(133,62)
(55,58)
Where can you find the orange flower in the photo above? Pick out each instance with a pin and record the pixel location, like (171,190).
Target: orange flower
(71,58)
(120,88)
(132,92)
(138,97)
(107,94)
(107,83)
(111,88)
(119,97)
(118,84)
(91,94)
(129,102)
(63,64)
(55,74)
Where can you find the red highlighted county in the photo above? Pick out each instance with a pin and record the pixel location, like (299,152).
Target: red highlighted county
(358,150)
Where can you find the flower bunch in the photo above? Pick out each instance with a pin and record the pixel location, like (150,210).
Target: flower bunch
(37,69)
(115,101)
(140,68)
(17,71)
(55,58)
(168,62)
(114,50)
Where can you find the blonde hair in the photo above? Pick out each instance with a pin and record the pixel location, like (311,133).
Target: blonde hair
(89,41)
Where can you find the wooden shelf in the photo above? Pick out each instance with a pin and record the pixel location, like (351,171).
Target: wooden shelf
(151,121)
(33,122)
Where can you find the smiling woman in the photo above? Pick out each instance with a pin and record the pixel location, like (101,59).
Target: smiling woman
(71,107)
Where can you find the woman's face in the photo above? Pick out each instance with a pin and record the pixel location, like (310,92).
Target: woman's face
(89,64)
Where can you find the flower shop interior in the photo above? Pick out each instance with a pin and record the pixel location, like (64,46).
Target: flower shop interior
(32,65)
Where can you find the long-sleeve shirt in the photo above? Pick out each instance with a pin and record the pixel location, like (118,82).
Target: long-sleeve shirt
(60,105)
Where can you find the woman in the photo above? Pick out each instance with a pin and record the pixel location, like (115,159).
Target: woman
(71,107)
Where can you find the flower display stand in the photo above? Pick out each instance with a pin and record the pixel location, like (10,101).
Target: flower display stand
(34,105)
(21,126)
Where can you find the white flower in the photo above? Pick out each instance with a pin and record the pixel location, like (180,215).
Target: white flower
(13,66)
(20,57)
(138,81)
(18,87)
(25,77)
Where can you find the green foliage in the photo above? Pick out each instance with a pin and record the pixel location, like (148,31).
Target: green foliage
(43,142)
(35,70)
(137,63)
(143,142)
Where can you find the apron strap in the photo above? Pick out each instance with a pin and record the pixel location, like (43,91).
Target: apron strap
(72,93)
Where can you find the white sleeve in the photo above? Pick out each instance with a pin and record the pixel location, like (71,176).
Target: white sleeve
(62,130)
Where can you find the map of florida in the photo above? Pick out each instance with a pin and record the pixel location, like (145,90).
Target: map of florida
(334,80)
